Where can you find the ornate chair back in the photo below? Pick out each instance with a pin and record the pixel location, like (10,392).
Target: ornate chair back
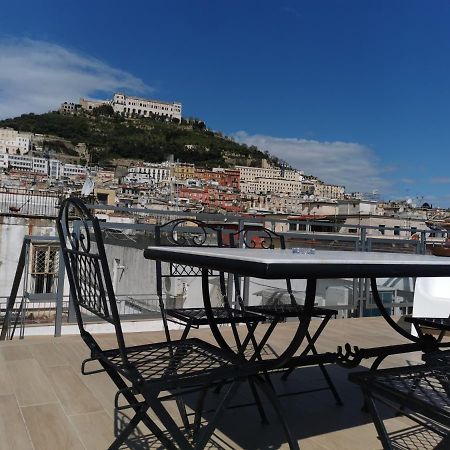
(185,232)
(87,270)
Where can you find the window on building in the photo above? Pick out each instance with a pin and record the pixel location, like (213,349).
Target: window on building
(382,229)
(396,230)
(44,268)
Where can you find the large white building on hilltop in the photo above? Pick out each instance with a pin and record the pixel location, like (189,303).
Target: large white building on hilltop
(129,106)
(15,142)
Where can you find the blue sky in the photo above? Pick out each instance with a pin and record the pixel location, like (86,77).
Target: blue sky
(355,92)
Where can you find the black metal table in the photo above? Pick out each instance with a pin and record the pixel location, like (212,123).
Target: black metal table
(280,264)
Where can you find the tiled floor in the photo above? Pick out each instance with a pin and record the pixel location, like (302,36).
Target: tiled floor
(46,404)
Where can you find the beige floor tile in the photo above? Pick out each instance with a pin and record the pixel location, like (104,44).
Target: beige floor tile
(73,394)
(50,429)
(95,430)
(74,352)
(13,432)
(48,354)
(30,382)
(103,388)
(14,353)
(5,384)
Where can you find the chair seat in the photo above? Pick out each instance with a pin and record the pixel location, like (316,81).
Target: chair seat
(288,310)
(437,357)
(197,316)
(178,363)
(423,389)
(430,322)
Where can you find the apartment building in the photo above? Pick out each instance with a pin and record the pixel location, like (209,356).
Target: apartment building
(323,190)
(254,173)
(266,186)
(183,171)
(148,173)
(53,167)
(15,142)
(223,177)
(267,179)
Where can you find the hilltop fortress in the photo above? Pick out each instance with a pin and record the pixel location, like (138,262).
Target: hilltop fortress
(128,106)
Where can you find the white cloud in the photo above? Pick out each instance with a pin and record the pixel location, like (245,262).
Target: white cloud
(352,165)
(440,180)
(38,76)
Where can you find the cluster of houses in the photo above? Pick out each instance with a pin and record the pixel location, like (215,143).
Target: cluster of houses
(170,185)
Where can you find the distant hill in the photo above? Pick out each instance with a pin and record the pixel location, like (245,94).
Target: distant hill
(109,136)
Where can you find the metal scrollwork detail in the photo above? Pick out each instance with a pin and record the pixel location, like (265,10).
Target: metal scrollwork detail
(177,234)
(349,357)
(266,237)
(75,222)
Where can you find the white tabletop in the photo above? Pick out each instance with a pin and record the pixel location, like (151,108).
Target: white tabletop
(263,263)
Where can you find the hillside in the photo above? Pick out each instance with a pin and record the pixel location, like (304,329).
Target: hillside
(110,136)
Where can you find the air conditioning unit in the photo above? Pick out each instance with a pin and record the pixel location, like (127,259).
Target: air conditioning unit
(176,292)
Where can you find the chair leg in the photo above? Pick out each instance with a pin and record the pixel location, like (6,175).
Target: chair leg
(323,369)
(198,411)
(166,419)
(133,402)
(331,385)
(259,405)
(377,421)
(182,410)
(132,424)
(272,397)
(208,430)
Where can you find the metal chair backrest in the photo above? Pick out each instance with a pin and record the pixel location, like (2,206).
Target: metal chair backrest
(185,232)
(87,269)
(256,236)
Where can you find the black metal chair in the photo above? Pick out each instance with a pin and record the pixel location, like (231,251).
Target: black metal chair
(144,373)
(423,324)
(195,233)
(421,393)
(255,236)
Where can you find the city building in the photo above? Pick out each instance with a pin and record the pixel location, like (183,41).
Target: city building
(15,142)
(323,190)
(268,179)
(53,168)
(183,171)
(148,173)
(253,173)
(223,177)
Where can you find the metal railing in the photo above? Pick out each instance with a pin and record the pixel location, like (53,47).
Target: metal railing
(26,202)
(31,308)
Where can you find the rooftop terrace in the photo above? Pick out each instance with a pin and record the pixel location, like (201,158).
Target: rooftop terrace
(46,404)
